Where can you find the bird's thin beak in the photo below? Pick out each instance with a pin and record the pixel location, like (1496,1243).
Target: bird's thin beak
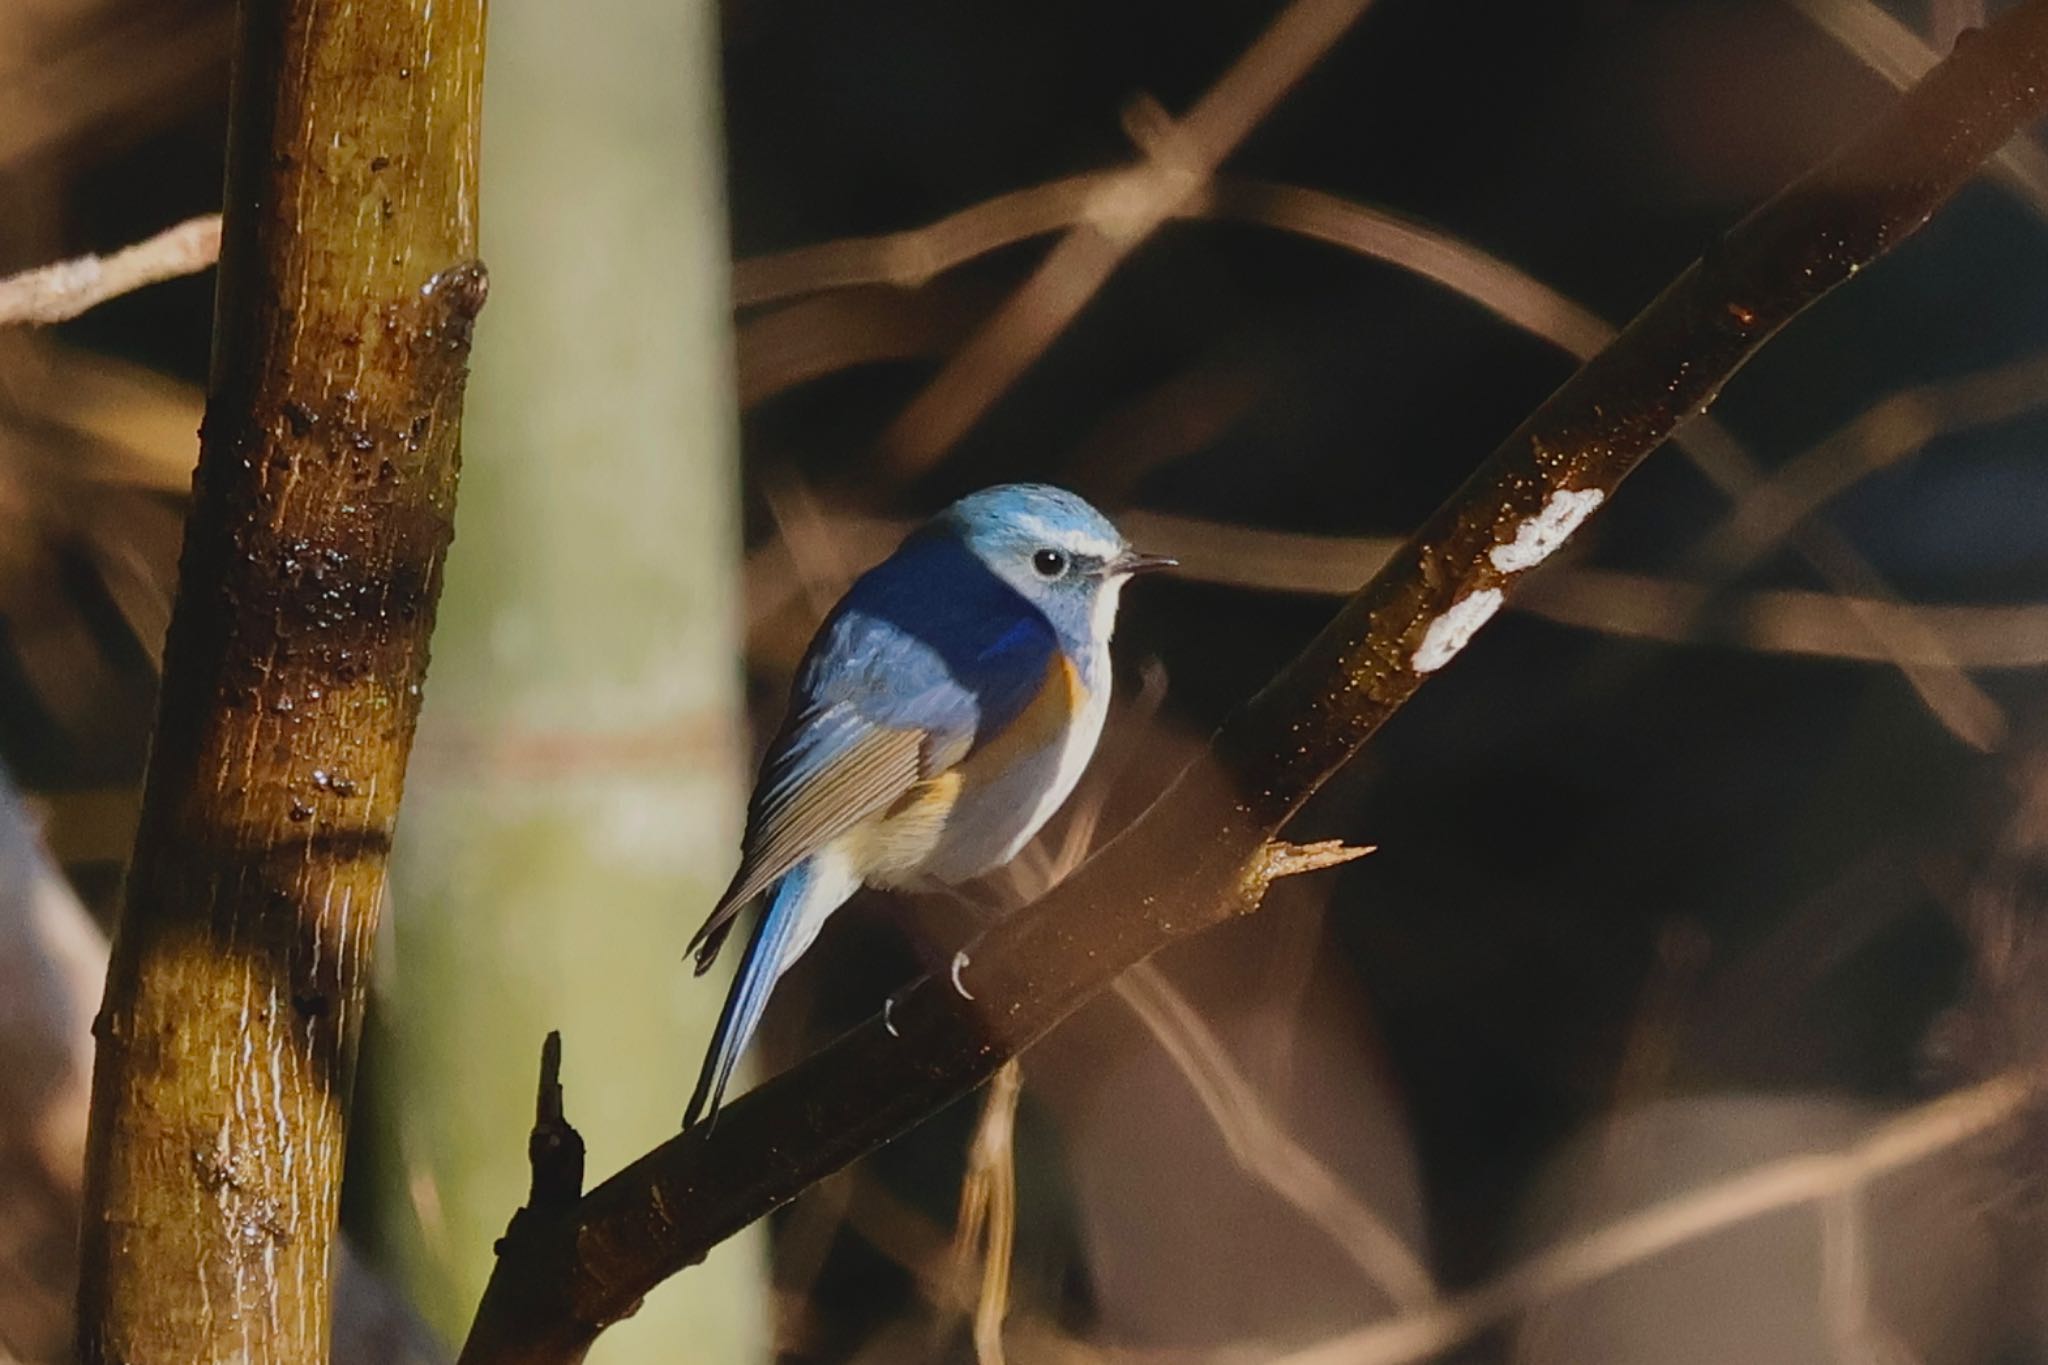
(1131,562)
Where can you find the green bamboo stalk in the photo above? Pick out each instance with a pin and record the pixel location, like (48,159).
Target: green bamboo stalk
(579,787)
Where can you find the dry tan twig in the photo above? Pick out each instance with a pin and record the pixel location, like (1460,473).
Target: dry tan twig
(1887,433)
(1796,622)
(1821,625)
(1956,701)
(1264,1149)
(1853,1329)
(1256,1138)
(53,293)
(1794,1182)
(987,1228)
(910,259)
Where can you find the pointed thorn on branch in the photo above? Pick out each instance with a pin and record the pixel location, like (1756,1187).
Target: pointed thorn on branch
(1283,859)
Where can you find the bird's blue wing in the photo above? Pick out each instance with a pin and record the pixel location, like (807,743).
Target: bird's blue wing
(931,637)
(927,655)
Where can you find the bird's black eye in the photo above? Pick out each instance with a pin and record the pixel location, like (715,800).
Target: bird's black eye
(1049,563)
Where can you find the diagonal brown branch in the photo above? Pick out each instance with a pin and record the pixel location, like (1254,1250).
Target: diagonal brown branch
(1901,57)
(1198,856)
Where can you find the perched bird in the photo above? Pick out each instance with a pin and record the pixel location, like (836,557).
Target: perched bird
(943,712)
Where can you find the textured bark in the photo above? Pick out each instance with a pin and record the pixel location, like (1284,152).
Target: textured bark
(1202,852)
(321,512)
(53,969)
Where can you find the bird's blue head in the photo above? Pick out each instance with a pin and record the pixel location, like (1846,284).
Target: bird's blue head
(1057,551)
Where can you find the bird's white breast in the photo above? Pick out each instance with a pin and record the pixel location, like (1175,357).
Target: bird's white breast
(1003,794)
(1084,731)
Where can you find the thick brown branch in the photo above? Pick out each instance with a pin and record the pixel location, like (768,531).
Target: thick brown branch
(312,562)
(1197,856)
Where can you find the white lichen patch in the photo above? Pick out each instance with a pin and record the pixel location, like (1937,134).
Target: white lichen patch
(1537,538)
(1453,630)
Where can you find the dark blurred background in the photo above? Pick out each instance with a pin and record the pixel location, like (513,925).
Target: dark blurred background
(1678,872)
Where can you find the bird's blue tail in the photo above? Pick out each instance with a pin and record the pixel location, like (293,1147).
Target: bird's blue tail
(748,998)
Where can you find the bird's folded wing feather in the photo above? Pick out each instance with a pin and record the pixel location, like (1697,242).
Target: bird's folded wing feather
(833,770)
(881,709)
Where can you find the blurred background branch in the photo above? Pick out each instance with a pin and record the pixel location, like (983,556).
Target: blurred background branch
(1179,157)
(790,355)
(1816,1181)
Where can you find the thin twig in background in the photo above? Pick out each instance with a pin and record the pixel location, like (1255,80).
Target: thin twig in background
(1852,1325)
(1888,432)
(1792,621)
(1821,1181)
(1957,702)
(1797,622)
(1179,157)
(1794,1182)
(987,1228)
(1207,850)
(1254,1135)
(912,258)
(1264,1149)
(53,293)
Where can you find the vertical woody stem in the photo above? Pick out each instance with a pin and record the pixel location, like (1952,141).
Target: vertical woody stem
(312,562)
